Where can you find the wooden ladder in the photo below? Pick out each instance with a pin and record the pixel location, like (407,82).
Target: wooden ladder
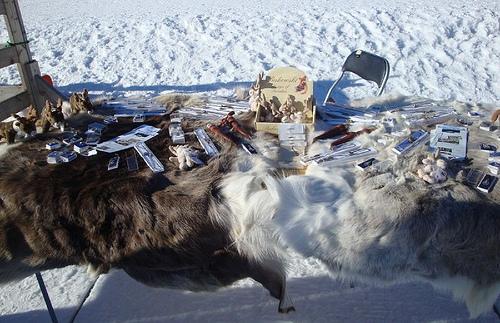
(33,90)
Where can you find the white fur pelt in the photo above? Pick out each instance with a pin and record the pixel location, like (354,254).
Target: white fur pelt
(380,228)
(389,227)
(249,209)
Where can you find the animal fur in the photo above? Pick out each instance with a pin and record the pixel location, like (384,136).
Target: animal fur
(186,230)
(389,226)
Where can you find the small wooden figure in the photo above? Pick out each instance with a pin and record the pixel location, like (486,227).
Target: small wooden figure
(80,102)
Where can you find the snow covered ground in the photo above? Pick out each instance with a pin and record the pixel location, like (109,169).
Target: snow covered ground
(438,49)
(442,50)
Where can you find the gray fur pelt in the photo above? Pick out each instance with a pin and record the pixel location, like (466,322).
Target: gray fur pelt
(175,229)
(389,226)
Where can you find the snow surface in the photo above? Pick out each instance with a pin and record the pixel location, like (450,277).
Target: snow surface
(437,49)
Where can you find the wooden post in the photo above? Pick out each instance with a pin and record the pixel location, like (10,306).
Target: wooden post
(26,66)
(33,89)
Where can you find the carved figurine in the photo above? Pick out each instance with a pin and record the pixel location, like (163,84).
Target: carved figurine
(7,132)
(287,109)
(23,126)
(232,123)
(186,156)
(50,116)
(32,114)
(80,102)
(255,93)
(228,123)
(218,132)
(298,117)
(341,130)
(266,112)
(433,171)
(20,127)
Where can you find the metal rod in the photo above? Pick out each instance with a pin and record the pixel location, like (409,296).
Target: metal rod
(46,297)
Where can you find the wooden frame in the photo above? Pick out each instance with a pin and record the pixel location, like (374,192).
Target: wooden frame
(33,89)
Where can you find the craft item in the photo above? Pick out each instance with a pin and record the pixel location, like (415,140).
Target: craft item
(228,103)
(292,135)
(487,126)
(68,156)
(248,148)
(53,145)
(200,114)
(344,157)
(488,148)
(464,121)
(151,160)
(54,157)
(349,136)
(494,168)
(114,162)
(132,164)
(332,132)
(206,142)
(89,152)
(138,118)
(80,102)
(175,131)
(232,123)
(366,164)
(186,156)
(350,146)
(71,140)
(80,147)
(227,127)
(110,120)
(487,183)
(429,119)
(178,136)
(218,132)
(284,95)
(92,139)
(96,128)
(129,139)
(450,141)
(131,107)
(433,171)
(416,137)
(473,177)
(494,157)
(429,107)
(175,125)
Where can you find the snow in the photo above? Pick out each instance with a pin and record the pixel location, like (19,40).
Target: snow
(444,50)
(437,49)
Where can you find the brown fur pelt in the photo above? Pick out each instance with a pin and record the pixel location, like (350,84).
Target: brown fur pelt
(162,229)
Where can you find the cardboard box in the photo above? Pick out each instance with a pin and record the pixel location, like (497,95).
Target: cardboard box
(278,85)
